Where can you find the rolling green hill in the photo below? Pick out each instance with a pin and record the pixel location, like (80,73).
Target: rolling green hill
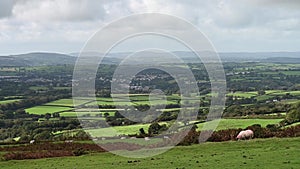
(36,59)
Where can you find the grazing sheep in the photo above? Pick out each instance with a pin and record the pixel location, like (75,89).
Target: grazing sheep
(123,138)
(247,134)
(147,138)
(68,141)
(166,137)
(31,141)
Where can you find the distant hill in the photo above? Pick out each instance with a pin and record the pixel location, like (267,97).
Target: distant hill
(39,59)
(36,59)
(281,60)
(259,56)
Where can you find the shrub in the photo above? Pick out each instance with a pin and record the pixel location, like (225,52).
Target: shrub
(156,128)
(272,127)
(293,114)
(224,135)
(257,130)
(192,137)
(79,152)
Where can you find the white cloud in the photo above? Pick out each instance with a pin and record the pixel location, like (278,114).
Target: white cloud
(231,25)
(290,4)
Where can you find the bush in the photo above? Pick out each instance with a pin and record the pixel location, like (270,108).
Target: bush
(257,130)
(79,152)
(156,128)
(272,127)
(293,114)
(82,135)
(224,135)
(47,150)
(192,137)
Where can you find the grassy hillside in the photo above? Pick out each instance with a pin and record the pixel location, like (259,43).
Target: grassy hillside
(258,153)
(36,59)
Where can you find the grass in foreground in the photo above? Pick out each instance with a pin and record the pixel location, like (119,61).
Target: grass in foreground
(257,153)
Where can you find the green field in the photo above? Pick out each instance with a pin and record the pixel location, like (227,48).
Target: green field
(224,124)
(285,72)
(243,94)
(9,69)
(138,99)
(46,109)
(258,153)
(269,94)
(62,88)
(242,123)
(263,97)
(292,101)
(67,102)
(38,88)
(282,92)
(92,114)
(293,73)
(105,132)
(9,101)
(118,100)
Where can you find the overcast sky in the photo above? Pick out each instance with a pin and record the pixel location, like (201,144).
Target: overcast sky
(232,26)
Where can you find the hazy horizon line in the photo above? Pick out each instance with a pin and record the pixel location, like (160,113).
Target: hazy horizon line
(116,52)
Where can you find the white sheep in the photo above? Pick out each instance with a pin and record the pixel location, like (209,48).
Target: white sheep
(166,137)
(68,141)
(31,141)
(247,134)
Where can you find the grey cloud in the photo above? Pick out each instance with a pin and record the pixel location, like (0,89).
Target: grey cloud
(57,10)
(293,4)
(6,7)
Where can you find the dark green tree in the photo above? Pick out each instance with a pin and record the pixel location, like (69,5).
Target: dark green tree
(47,116)
(293,114)
(156,128)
